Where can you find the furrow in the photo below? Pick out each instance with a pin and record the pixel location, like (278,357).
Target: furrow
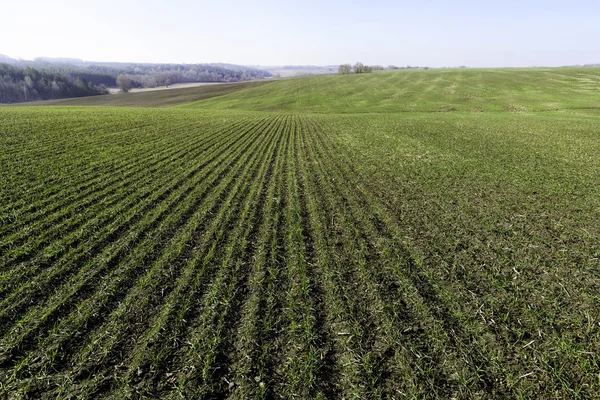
(300,357)
(246,362)
(54,197)
(87,242)
(118,336)
(77,200)
(343,301)
(270,339)
(140,255)
(253,352)
(206,351)
(65,265)
(105,336)
(328,371)
(397,276)
(70,217)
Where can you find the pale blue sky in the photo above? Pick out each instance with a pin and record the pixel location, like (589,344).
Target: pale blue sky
(433,33)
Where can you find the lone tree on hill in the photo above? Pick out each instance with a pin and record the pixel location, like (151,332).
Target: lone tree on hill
(345,69)
(124,83)
(359,68)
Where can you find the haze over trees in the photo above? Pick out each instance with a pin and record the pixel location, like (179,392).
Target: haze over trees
(28,84)
(124,83)
(155,75)
(345,69)
(76,78)
(358,68)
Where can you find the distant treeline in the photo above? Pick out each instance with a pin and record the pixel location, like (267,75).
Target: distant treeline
(358,68)
(59,78)
(152,75)
(168,74)
(28,84)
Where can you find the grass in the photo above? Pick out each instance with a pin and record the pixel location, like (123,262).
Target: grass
(246,247)
(465,90)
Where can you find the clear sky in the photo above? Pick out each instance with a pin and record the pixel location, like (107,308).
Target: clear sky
(418,32)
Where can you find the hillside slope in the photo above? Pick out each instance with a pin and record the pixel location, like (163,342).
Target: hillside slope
(327,248)
(469,90)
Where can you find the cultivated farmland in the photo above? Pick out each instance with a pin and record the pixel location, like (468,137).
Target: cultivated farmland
(300,240)
(154,98)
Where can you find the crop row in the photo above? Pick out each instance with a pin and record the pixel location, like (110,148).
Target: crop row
(253,257)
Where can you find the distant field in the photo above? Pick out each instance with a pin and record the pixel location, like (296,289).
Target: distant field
(287,72)
(153,98)
(170,87)
(310,238)
(465,90)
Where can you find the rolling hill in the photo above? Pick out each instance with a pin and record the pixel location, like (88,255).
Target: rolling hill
(465,90)
(405,234)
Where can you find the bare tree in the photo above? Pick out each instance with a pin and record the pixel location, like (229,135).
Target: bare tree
(124,83)
(28,86)
(345,69)
(359,68)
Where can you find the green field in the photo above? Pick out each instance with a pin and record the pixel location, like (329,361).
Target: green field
(411,234)
(468,90)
